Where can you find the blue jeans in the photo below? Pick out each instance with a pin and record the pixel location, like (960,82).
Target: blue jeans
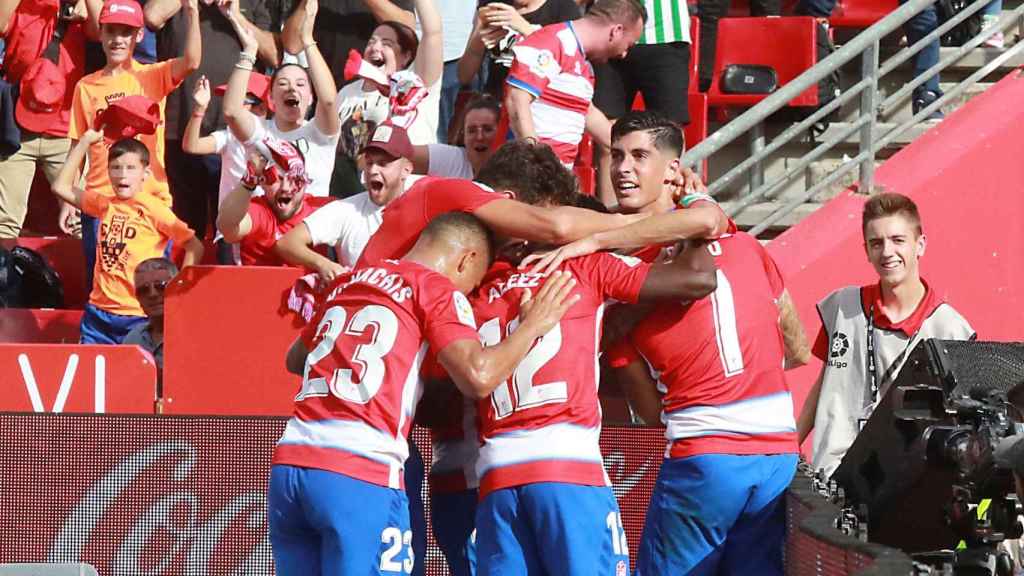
(102,327)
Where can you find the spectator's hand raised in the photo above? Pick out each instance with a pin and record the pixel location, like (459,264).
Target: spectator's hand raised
(246,37)
(230,9)
(70,220)
(192,5)
(201,93)
(255,164)
(499,15)
(312,7)
(92,136)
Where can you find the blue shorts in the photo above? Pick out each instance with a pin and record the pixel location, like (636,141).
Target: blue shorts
(552,529)
(717,514)
(453,516)
(327,523)
(102,327)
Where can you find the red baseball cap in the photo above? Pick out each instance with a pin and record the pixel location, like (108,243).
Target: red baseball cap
(129,117)
(42,96)
(127,12)
(392,140)
(259,86)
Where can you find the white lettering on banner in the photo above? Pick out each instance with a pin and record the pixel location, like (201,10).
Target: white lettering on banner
(618,471)
(65,384)
(161,518)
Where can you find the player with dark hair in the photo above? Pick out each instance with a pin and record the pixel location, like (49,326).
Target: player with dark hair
(336,504)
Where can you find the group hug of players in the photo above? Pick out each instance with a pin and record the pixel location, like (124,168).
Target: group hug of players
(481,310)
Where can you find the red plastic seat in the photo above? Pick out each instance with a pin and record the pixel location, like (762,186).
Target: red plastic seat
(64,254)
(41,326)
(787,44)
(861,13)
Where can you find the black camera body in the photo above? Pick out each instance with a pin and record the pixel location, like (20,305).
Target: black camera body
(67,11)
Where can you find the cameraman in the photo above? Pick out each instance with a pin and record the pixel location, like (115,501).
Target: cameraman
(868,331)
(45,57)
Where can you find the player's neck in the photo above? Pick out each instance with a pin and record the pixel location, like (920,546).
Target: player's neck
(156,328)
(427,258)
(900,300)
(660,206)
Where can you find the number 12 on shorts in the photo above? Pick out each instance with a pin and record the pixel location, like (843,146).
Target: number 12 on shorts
(618,535)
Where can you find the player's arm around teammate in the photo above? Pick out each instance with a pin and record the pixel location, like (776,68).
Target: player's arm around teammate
(476,370)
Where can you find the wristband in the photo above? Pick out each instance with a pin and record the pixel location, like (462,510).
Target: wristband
(308,46)
(246,57)
(244,66)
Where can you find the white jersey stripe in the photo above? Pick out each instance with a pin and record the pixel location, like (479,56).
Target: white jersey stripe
(349,435)
(771,414)
(555,442)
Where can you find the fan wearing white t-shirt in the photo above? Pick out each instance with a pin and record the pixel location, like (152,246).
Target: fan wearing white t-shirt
(479,127)
(348,224)
(291,92)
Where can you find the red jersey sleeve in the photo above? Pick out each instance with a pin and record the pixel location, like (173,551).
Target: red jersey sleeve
(622,354)
(455,195)
(448,316)
(820,348)
(772,271)
(536,61)
(613,276)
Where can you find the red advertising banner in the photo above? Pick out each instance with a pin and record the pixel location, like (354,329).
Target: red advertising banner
(183,496)
(76,378)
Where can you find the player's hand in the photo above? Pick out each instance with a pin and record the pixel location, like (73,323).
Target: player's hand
(201,93)
(312,7)
(329,271)
(70,220)
(499,15)
(542,312)
(685,183)
(547,262)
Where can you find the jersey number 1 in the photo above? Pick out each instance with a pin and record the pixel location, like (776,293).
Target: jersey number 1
(723,309)
(523,393)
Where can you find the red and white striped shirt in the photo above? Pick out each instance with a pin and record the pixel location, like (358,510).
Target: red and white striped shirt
(550,65)
(543,425)
(719,360)
(362,376)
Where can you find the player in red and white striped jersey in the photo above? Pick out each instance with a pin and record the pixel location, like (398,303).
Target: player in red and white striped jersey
(720,359)
(550,86)
(335,500)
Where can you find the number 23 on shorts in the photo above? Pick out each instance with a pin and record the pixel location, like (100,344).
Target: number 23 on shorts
(394,541)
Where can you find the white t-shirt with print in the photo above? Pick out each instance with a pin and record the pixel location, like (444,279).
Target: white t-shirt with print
(317,149)
(375,107)
(232,163)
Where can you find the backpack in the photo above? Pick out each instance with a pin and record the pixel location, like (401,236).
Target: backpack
(27,281)
(962,32)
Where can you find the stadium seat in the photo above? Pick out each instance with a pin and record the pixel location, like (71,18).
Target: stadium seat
(787,44)
(860,13)
(81,569)
(225,341)
(64,254)
(39,326)
(741,8)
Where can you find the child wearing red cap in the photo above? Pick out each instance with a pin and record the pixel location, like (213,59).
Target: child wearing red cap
(135,226)
(121,27)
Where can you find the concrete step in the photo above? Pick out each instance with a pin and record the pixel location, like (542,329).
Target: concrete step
(756,213)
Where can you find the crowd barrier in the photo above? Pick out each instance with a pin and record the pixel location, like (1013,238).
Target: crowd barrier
(185,495)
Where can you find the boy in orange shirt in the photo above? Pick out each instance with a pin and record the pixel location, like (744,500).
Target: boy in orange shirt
(121,27)
(134,226)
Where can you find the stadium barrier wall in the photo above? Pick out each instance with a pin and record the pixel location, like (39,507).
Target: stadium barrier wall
(185,495)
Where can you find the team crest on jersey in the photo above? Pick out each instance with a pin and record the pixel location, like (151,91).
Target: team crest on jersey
(546,63)
(620,568)
(463,309)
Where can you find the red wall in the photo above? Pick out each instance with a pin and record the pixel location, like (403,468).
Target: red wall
(966,176)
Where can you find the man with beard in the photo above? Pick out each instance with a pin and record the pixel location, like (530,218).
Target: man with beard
(255,224)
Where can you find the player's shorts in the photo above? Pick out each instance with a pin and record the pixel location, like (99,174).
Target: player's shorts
(327,523)
(717,514)
(453,517)
(551,528)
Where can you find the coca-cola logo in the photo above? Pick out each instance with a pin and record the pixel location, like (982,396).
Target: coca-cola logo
(173,533)
(624,476)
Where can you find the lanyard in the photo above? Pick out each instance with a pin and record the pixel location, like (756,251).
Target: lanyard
(872,370)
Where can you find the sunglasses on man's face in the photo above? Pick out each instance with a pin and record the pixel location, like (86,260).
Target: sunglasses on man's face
(155,287)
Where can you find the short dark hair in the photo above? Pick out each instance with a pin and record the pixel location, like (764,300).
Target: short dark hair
(891,204)
(462,228)
(532,172)
(407,39)
(128,146)
(666,134)
(619,11)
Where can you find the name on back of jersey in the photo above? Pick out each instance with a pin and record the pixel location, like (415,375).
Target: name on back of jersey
(519,280)
(388,282)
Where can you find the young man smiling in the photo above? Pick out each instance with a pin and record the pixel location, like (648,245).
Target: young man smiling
(868,331)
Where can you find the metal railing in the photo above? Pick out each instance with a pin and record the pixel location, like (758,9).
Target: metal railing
(865,122)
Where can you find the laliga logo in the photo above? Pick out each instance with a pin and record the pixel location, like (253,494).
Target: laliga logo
(115,8)
(160,518)
(618,471)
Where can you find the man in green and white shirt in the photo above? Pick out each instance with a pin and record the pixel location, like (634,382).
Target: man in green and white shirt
(658,67)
